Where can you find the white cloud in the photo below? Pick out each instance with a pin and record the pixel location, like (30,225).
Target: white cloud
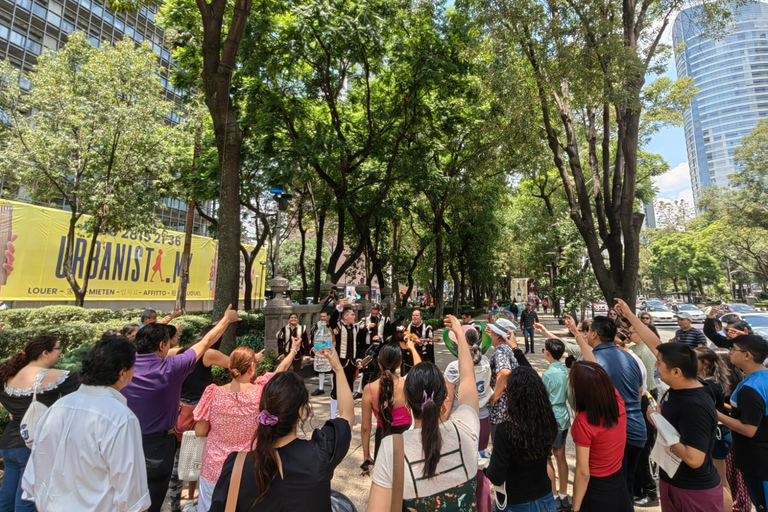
(675,183)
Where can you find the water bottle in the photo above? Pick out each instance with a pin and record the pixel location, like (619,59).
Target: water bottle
(323,341)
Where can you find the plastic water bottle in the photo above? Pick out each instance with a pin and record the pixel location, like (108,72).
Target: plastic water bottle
(323,341)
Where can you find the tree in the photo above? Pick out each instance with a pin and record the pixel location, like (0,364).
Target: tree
(584,63)
(96,138)
(752,199)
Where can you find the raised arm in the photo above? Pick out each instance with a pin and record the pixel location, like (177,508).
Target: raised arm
(346,403)
(230,316)
(581,339)
(648,337)
(467,385)
(543,330)
(290,356)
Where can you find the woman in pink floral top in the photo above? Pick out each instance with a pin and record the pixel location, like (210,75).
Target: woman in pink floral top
(227,415)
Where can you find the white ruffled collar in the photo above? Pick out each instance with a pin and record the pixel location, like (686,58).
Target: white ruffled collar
(42,389)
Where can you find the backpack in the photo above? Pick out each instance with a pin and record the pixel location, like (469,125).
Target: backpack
(33,414)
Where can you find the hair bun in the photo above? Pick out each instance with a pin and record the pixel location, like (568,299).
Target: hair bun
(235,373)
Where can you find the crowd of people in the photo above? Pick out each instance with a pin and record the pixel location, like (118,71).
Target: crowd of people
(484,433)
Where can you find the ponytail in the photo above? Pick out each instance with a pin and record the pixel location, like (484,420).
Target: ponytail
(282,401)
(426,392)
(390,357)
(31,352)
(386,400)
(473,340)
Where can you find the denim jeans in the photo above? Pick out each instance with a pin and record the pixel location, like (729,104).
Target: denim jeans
(528,333)
(15,460)
(545,504)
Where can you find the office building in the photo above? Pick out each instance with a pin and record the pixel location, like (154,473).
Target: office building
(731,77)
(28,27)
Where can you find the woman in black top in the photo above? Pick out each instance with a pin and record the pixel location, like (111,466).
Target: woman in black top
(523,444)
(20,375)
(284,473)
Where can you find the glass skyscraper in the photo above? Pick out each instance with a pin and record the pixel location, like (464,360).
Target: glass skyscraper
(27,27)
(731,75)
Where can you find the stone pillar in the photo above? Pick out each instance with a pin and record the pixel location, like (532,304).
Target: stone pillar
(276,312)
(387,303)
(364,303)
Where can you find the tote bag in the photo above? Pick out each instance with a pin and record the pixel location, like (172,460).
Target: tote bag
(33,414)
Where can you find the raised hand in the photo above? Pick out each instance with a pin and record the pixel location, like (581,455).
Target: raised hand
(622,308)
(453,323)
(259,355)
(570,323)
(230,315)
(332,358)
(539,328)
(295,344)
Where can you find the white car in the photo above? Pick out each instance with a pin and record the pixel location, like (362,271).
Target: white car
(697,315)
(661,315)
(600,307)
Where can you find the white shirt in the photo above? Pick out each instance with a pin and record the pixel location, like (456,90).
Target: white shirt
(643,371)
(88,456)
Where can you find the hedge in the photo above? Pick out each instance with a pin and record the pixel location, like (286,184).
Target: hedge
(76,326)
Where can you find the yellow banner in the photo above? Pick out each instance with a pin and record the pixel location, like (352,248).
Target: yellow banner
(126,265)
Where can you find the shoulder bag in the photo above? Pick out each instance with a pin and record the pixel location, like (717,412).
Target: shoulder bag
(191,456)
(234,482)
(34,412)
(398,472)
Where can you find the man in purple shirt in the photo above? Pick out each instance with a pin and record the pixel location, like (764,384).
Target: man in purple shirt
(153,396)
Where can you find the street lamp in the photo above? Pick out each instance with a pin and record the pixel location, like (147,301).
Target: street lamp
(282,205)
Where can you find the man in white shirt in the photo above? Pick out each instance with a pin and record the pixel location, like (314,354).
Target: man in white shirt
(87,455)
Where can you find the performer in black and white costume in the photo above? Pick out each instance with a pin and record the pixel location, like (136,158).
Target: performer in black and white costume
(345,332)
(426,349)
(285,336)
(374,329)
(324,317)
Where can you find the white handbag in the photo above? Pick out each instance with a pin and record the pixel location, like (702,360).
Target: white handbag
(191,456)
(34,412)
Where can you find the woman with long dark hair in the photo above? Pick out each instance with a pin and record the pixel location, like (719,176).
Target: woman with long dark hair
(523,444)
(21,375)
(439,458)
(600,434)
(282,472)
(392,417)
(483,381)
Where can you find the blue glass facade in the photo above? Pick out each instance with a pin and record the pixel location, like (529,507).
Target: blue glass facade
(731,75)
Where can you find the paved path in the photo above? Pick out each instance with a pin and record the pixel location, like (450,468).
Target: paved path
(347,478)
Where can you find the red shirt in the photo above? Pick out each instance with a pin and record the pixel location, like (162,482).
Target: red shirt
(606,445)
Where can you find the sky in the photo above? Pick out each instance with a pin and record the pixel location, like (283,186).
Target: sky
(675,184)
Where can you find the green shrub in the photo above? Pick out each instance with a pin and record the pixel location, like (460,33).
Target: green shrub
(15,318)
(405,314)
(73,359)
(254,341)
(252,321)
(191,327)
(435,323)
(5,419)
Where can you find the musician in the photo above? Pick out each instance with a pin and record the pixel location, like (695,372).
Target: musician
(287,334)
(466,318)
(425,348)
(345,332)
(324,317)
(374,329)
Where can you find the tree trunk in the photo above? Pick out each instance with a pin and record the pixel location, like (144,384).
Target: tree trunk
(319,234)
(88,264)
(674,283)
(302,262)
(229,141)
(439,264)
(247,283)
(455,278)
(181,293)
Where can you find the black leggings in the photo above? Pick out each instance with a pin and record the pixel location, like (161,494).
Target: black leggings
(607,494)
(380,436)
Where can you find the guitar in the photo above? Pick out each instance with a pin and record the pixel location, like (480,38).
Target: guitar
(416,340)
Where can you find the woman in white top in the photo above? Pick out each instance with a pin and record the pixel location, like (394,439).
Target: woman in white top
(482,380)
(440,457)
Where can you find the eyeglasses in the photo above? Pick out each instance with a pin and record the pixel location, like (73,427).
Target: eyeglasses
(56,348)
(734,349)
(645,318)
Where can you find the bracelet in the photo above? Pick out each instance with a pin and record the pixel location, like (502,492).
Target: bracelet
(295,351)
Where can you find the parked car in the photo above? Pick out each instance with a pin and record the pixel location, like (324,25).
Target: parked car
(697,315)
(600,307)
(756,320)
(651,302)
(660,314)
(735,308)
